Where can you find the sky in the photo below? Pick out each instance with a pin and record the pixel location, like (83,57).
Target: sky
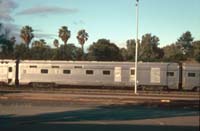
(110,19)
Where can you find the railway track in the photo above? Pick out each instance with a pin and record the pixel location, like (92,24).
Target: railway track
(86,91)
(101,96)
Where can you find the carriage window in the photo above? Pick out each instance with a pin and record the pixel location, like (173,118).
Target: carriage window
(191,74)
(132,72)
(170,73)
(44,71)
(33,66)
(106,72)
(89,72)
(10,69)
(66,71)
(55,66)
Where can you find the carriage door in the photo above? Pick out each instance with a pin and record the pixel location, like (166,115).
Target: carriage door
(118,77)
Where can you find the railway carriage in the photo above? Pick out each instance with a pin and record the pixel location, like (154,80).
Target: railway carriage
(73,73)
(86,73)
(191,77)
(7,72)
(103,74)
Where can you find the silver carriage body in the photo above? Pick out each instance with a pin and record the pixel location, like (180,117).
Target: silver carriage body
(86,73)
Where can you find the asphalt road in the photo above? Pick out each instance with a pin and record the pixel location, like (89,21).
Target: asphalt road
(29,115)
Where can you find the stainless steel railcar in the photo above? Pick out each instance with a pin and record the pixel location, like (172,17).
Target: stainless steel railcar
(115,74)
(98,73)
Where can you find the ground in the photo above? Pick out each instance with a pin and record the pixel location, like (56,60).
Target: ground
(50,114)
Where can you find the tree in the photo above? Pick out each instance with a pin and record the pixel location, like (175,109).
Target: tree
(196,50)
(39,43)
(173,53)
(64,34)
(13,39)
(42,52)
(82,36)
(21,51)
(4,32)
(1,30)
(6,43)
(6,48)
(130,44)
(69,52)
(149,50)
(56,43)
(26,34)
(124,54)
(185,42)
(104,50)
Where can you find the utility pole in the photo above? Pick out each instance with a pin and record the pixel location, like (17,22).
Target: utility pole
(136,47)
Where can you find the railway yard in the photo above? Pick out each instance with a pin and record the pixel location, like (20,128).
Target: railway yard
(115,80)
(97,109)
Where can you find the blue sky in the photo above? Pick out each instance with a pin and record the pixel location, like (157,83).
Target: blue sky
(110,19)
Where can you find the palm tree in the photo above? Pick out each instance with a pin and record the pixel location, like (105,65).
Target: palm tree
(82,36)
(56,43)
(26,34)
(64,34)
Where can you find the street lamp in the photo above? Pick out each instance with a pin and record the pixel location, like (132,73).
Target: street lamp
(136,48)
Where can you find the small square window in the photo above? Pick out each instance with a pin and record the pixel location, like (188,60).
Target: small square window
(170,73)
(66,71)
(132,72)
(10,69)
(191,75)
(89,72)
(106,72)
(44,71)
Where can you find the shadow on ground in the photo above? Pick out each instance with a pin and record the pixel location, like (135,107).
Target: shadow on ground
(58,121)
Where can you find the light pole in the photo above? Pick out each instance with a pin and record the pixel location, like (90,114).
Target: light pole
(136,47)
